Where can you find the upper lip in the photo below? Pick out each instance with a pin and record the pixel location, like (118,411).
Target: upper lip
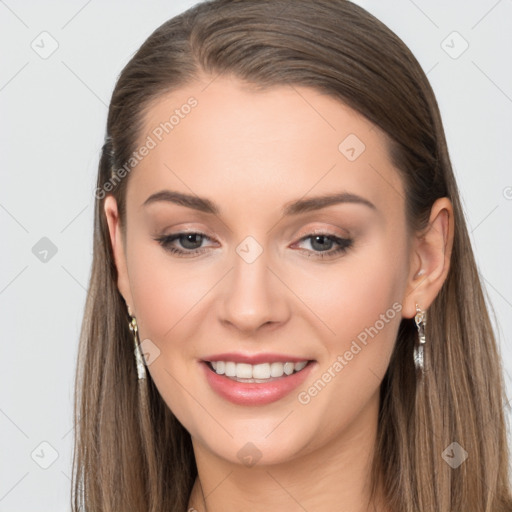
(255,358)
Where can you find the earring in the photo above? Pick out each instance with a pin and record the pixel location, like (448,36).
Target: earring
(141,369)
(421,321)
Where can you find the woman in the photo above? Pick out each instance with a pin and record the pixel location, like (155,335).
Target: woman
(279,236)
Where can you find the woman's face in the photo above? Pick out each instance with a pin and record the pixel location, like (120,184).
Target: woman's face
(270,272)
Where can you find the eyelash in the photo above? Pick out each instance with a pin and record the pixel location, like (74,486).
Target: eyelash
(344,244)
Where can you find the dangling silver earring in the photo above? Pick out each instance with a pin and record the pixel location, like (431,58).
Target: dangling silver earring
(421,321)
(141,368)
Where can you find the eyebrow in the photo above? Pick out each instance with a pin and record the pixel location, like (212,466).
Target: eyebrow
(203,204)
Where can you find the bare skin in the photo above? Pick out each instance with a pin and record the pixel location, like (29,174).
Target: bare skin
(252,153)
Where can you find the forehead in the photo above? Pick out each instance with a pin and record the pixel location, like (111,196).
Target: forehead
(225,140)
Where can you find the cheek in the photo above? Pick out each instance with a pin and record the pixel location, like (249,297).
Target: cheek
(171,298)
(174,300)
(359,306)
(353,294)
(361,314)
(166,292)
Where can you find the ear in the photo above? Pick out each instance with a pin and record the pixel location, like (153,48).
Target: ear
(430,259)
(118,248)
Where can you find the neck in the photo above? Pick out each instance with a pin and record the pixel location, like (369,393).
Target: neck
(333,477)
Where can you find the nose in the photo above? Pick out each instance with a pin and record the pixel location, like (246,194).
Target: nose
(253,296)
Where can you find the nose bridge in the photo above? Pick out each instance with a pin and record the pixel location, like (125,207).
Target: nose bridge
(253,296)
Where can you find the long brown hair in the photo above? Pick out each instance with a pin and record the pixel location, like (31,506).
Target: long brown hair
(131,453)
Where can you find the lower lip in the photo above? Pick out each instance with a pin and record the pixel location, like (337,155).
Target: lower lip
(253,393)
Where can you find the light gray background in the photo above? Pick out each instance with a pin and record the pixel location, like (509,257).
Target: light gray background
(53,113)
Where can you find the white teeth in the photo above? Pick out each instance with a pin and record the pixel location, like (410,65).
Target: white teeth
(230,369)
(298,366)
(288,368)
(244,371)
(260,371)
(276,369)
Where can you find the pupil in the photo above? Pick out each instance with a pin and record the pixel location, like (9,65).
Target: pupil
(189,238)
(322,239)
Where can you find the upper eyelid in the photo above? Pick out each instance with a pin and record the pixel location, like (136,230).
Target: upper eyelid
(338,232)
(309,233)
(326,231)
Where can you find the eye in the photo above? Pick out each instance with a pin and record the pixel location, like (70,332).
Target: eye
(190,241)
(322,243)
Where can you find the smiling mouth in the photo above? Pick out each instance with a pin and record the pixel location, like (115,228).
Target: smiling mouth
(256,373)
